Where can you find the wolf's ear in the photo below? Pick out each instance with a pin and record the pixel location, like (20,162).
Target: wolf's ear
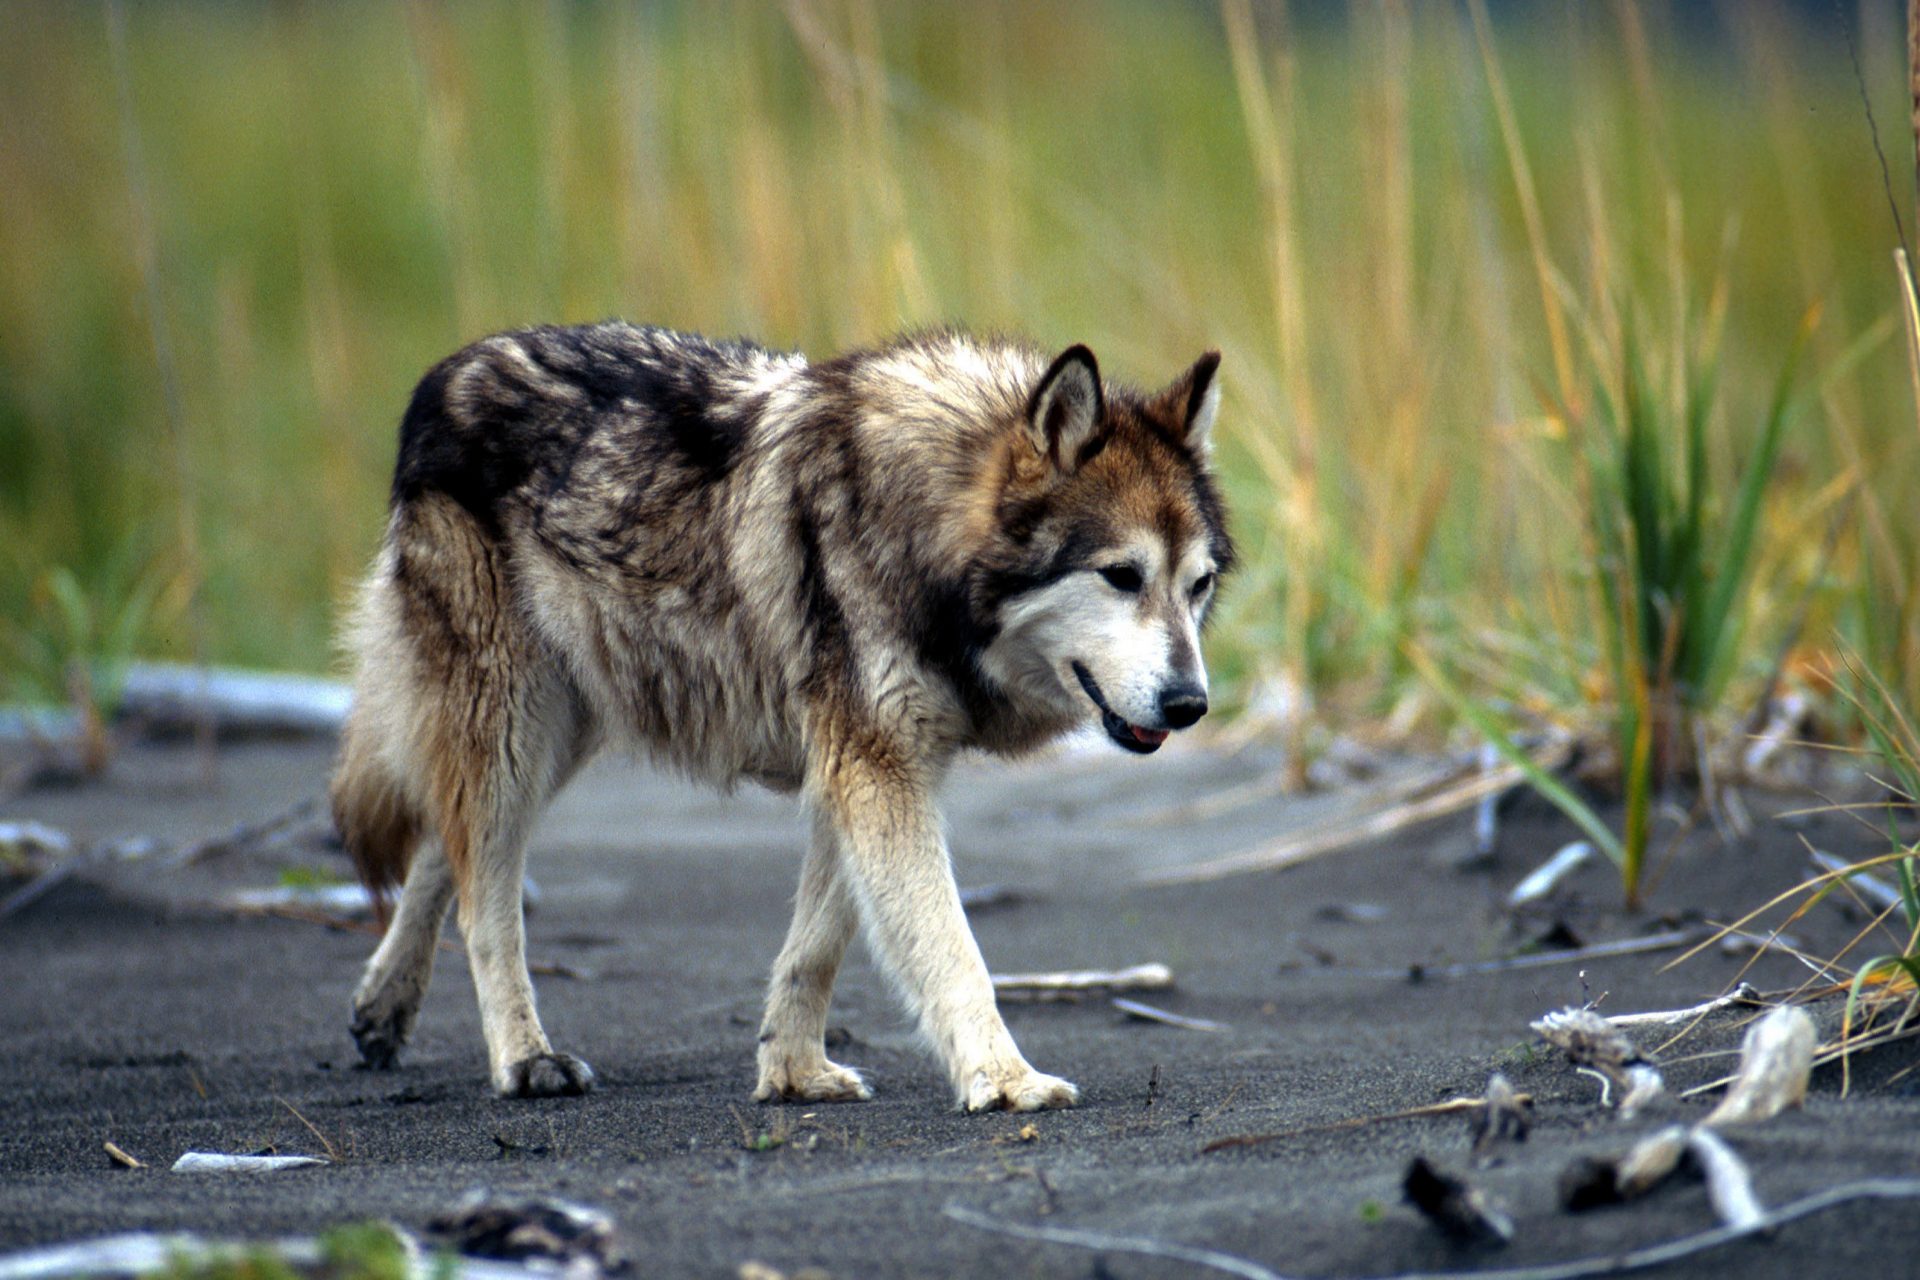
(1193,401)
(1068,408)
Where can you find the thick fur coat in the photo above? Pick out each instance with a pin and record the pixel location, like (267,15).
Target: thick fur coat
(829,577)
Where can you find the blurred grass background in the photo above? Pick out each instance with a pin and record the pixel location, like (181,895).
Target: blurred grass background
(232,236)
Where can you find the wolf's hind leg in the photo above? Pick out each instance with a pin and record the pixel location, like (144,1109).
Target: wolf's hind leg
(793,1050)
(395,981)
(523,744)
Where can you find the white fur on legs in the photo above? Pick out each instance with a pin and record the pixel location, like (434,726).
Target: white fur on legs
(522,1062)
(395,979)
(898,866)
(793,1054)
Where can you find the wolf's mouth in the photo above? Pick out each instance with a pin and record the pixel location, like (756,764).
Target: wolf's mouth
(1131,736)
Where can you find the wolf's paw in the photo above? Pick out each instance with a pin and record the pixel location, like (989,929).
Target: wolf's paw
(1019,1088)
(822,1081)
(380,1035)
(546,1075)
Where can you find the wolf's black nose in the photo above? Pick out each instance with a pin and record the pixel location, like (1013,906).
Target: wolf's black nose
(1183,704)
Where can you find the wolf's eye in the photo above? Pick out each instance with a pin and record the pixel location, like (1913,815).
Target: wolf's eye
(1202,585)
(1122,577)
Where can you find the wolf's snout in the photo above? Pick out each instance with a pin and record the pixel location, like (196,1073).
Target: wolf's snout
(1183,704)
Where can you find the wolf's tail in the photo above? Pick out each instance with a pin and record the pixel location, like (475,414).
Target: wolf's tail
(377,800)
(378,821)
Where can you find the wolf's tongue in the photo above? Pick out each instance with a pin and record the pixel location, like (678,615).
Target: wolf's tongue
(1152,737)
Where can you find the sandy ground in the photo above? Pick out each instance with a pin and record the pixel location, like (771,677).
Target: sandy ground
(134,1011)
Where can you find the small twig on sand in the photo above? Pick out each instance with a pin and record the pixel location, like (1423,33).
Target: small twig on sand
(1665,941)
(1451,1106)
(247,834)
(1311,844)
(1612,1264)
(1072,984)
(333,1152)
(122,1159)
(1147,1013)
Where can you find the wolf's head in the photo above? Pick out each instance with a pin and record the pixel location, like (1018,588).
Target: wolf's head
(1111,546)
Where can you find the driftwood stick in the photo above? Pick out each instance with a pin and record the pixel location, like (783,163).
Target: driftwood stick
(1068,984)
(1613,1264)
(1296,849)
(1149,1013)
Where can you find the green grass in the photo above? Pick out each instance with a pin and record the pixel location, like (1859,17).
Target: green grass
(1396,225)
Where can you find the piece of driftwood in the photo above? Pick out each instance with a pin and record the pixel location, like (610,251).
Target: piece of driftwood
(1073,983)
(1148,1013)
(121,1158)
(1545,878)
(1591,1041)
(220,1162)
(175,698)
(1618,1262)
(253,834)
(1775,1060)
(1292,850)
(1869,886)
(349,902)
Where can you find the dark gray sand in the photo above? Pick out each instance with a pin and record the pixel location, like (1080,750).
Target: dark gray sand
(133,1012)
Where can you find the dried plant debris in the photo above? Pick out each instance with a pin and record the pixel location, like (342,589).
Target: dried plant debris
(1775,1061)
(1589,1182)
(485,1226)
(1504,1119)
(1462,1211)
(1729,1184)
(1594,1043)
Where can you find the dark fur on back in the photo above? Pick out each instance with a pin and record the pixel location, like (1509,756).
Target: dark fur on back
(756,527)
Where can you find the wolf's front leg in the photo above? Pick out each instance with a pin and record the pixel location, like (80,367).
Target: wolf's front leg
(896,860)
(793,1051)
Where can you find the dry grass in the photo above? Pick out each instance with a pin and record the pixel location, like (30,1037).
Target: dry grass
(229,243)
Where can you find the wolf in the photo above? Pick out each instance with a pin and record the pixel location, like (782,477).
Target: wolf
(830,578)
